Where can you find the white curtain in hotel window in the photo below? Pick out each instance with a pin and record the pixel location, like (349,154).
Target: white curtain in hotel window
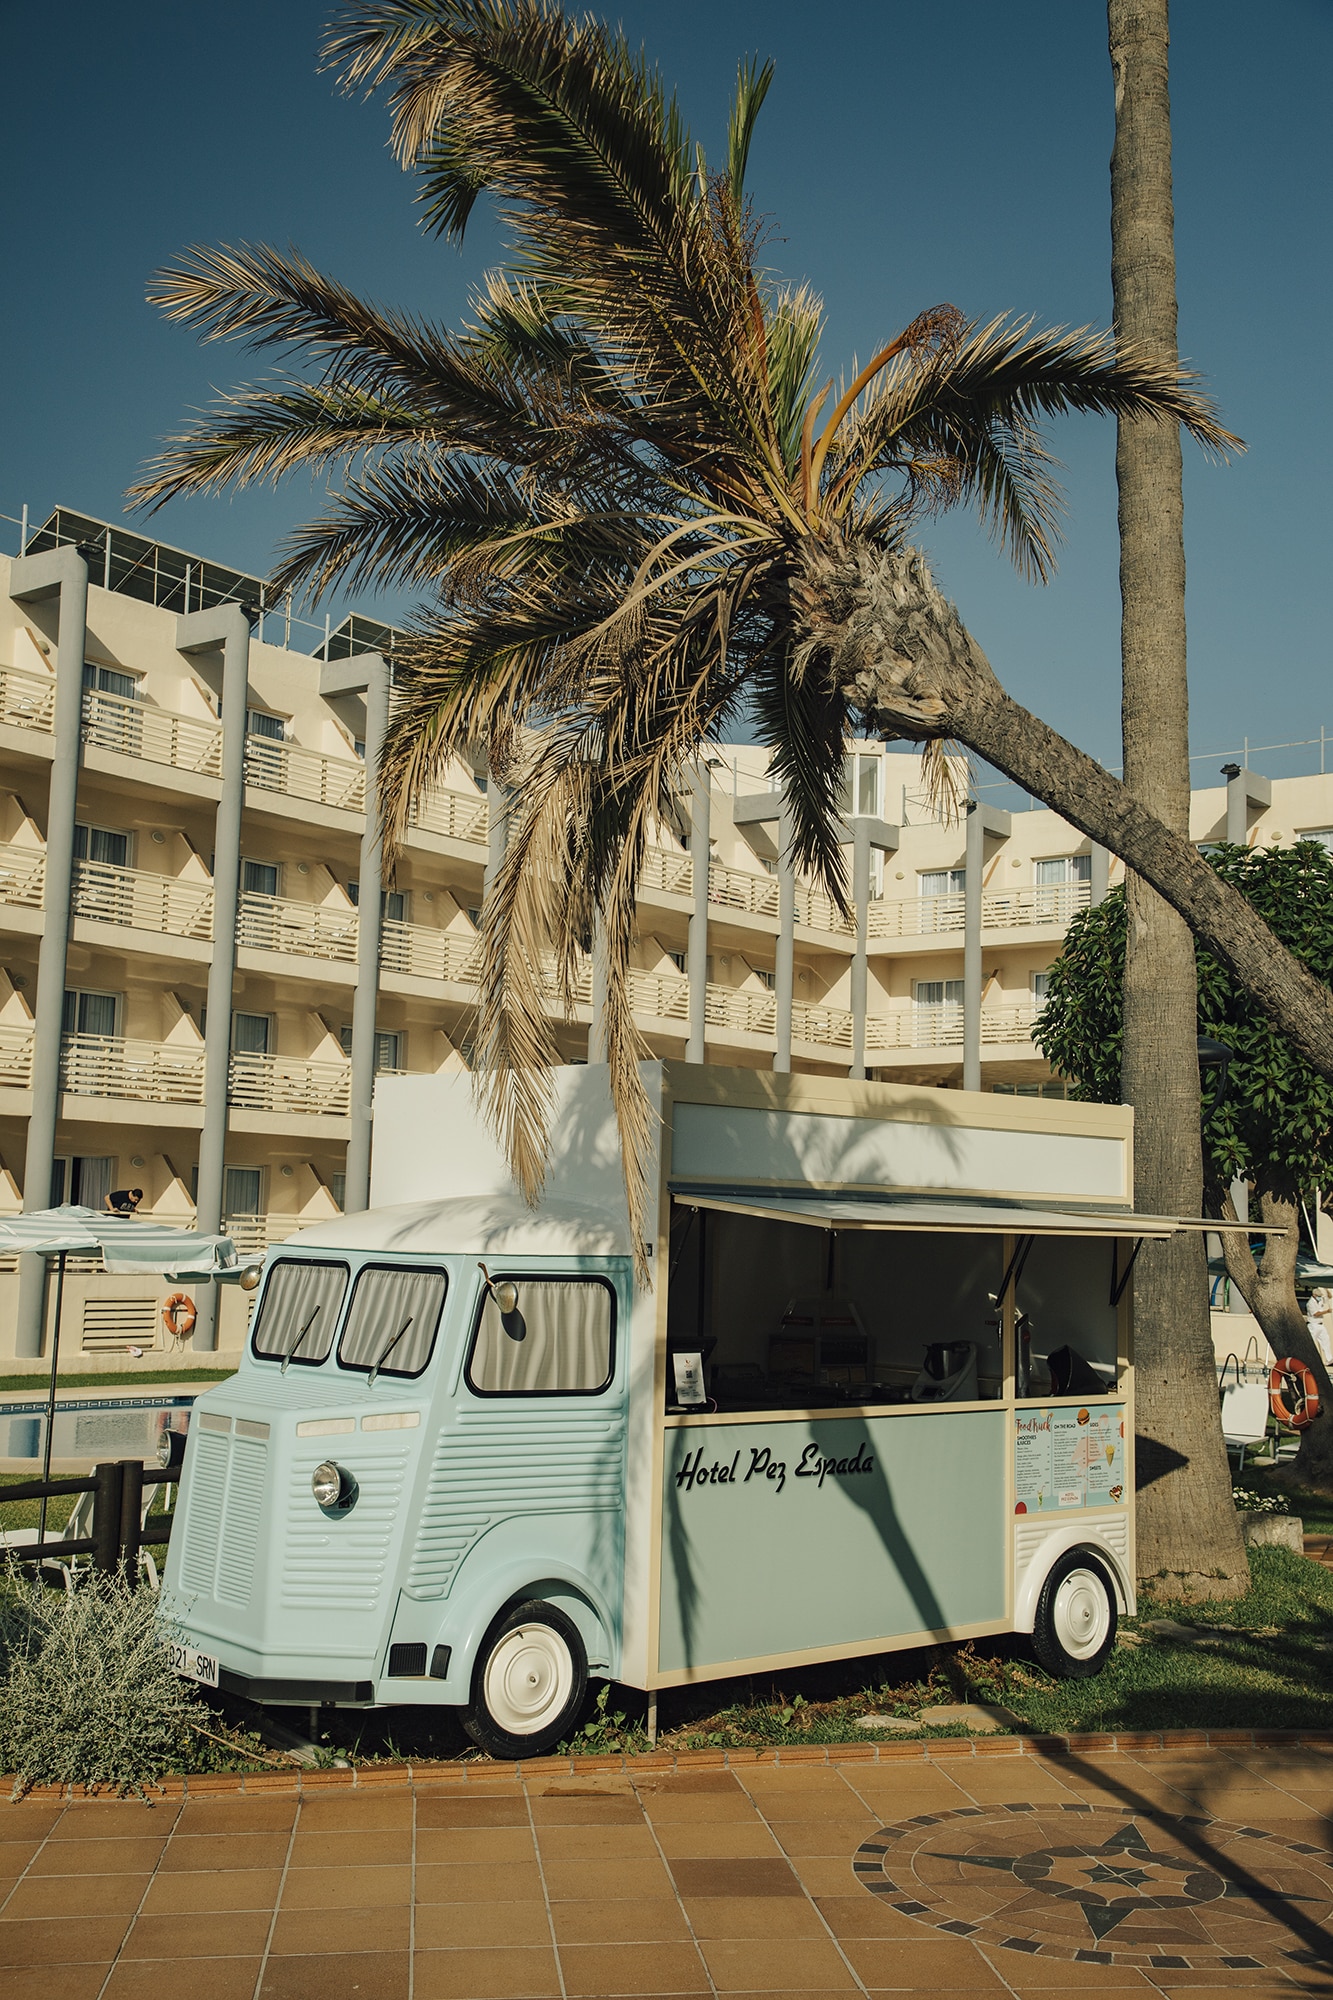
(392,1320)
(558,1341)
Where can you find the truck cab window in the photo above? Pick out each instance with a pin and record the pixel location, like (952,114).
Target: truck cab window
(559,1341)
(299,1311)
(392,1320)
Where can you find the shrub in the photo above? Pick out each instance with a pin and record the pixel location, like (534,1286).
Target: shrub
(87,1694)
(1250,1502)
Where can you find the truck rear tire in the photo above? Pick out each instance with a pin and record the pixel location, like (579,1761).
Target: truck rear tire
(1074,1629)
(530,1683)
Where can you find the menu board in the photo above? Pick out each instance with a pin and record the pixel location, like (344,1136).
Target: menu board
(1073,1456)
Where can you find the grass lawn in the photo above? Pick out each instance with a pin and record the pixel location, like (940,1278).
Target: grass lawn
(137,1378)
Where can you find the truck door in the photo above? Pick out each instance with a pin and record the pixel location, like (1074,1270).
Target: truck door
(529,1468)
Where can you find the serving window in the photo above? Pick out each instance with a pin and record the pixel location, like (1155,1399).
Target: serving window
(781,1315)
(298,1312)
(559,1340)
(392,1320)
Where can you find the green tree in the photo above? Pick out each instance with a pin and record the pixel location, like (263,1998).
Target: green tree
(633,513)
(1267,1116)
(1182,1465)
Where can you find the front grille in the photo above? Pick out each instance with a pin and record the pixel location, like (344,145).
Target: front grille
(225,1507)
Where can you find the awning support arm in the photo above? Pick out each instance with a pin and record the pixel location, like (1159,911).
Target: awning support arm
(1118,1283)
(1022,1250)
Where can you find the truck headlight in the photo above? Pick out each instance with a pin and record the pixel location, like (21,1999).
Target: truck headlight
(332,1486)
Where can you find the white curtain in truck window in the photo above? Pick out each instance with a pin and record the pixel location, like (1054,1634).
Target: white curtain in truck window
(558,1342)
(392,1320)
(299,1310)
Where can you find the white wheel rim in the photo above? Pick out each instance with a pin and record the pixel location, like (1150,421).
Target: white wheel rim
(1081,1614)
(528,1681)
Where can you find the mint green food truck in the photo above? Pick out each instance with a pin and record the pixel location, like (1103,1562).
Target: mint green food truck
(877,1392)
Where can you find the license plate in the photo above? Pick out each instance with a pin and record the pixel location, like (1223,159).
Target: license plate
(194,1665)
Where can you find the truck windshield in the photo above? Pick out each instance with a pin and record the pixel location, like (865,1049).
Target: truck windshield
(298,1313)
(392,1320)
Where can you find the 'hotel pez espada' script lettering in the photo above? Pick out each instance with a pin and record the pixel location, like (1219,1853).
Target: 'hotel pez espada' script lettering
(762,1465)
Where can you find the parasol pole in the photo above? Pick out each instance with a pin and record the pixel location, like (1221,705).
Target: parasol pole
(51,1397)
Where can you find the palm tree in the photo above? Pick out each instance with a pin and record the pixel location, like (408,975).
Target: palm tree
(634,512)
(1186,1494)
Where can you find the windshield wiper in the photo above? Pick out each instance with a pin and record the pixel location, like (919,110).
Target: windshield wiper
(387,1350)
(296,1344)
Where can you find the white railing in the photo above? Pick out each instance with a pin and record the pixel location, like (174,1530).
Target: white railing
(143,901)
(818,912)
(132,728)
(942,1027)
(22,875)
(281,1083)
(667,871)
(456,815)
(1053,905)
(738,889)
(113,1066)
(27,701)
(430,954)
(253,1234)
(15,1055)
(307,930)
(298,773)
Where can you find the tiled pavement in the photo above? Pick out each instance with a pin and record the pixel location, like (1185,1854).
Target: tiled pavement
(697,1880)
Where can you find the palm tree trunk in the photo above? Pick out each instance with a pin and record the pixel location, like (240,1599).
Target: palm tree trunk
(1160,1075)
(1269,1290)
(905,662)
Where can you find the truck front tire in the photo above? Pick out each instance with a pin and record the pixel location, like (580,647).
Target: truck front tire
(530,1683)
(1074,1629)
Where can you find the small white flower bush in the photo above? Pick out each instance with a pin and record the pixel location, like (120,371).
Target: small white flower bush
(1251,1502)
(87,1694)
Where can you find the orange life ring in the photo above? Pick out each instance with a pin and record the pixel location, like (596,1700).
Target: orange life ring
(1293,1393)
(178,1315)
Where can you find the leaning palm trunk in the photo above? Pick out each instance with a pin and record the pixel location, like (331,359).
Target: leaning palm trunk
(1269,1290)
(1185,1507)
(901,654)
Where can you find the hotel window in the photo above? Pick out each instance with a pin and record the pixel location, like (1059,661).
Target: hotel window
(100,844)
(1064,868)
(91,1013)
(251,1034)
(259,878)
(104,680)
(257,723)
(941,881)
(862,776)
(388,1049)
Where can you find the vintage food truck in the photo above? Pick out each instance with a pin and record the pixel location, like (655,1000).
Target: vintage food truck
(877,1392)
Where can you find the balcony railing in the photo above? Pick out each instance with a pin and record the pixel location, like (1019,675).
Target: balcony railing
(455,815)
(253,1234)
(738,889)
(282,1083)
(15,1055)
(1053,905)
(298,773)
(114,1066)
(133,729)
(668,871)
(306,930)
(27,701)
(22,875)
(143,901)
(942,1027)
(430,954)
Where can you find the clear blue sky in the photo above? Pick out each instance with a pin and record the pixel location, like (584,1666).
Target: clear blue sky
(907,155)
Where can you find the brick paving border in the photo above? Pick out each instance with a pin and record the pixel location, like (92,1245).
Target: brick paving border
(402,1777)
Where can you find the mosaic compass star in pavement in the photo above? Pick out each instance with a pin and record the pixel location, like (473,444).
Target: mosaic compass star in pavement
(1108,1886)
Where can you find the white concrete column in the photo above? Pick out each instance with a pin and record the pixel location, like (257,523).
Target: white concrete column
(61,573)
(983,823)
(785,982)
(696,950)
(367,674)
(225,628)
(866,836)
